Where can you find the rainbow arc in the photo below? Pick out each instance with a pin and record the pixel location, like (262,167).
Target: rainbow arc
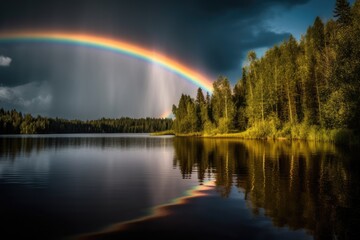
(112,45)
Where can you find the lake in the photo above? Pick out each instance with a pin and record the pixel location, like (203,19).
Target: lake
(126,186)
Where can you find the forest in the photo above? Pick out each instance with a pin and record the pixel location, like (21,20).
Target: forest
(306,89)
(13,122)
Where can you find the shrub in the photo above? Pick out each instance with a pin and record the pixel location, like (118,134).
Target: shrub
(209,128)
(224,124)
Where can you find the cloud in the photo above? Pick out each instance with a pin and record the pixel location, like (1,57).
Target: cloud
(32,97)
(5,61)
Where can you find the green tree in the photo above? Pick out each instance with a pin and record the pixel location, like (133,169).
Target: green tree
(347,67)
(185,115)
(201,110)
(342,12)
(221,101)
(289,80)
(239,99)
(250,83)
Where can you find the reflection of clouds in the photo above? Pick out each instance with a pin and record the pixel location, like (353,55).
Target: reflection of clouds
(26,159)
(29,170)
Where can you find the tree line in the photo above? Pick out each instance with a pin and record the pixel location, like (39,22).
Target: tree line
(305,84)
(13,122)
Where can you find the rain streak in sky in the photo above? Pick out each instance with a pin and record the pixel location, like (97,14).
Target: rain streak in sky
(71,81)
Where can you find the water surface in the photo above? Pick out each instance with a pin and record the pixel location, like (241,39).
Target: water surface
(113,186)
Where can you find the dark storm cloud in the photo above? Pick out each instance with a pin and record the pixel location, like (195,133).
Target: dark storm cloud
(211,35)
(26,65)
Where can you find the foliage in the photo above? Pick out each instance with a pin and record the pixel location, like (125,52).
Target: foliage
(342,11)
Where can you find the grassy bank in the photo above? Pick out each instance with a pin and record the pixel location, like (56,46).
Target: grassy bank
(287,132)
(163,133)
(193,134)
(171,132)
(301,132)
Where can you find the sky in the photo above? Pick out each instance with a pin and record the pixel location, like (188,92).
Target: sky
(211,37)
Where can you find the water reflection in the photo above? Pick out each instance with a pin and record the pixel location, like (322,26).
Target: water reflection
(52,187)
(12,147)
(314,186)
(298,185)
(34,152)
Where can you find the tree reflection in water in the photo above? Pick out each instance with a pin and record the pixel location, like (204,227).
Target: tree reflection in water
(307,185)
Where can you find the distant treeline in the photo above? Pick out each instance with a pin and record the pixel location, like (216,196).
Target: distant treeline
(13,122)
(296,89)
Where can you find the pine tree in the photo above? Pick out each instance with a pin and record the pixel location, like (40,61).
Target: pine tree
(200,99)
(209,107)
(201,110)
(239,99)
(342,12)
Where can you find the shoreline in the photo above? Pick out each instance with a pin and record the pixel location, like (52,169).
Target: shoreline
(337,138)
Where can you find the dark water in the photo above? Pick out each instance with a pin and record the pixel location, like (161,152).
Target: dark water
(125,186)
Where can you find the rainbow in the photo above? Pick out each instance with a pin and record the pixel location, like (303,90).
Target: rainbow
(112,45)
(166,114)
